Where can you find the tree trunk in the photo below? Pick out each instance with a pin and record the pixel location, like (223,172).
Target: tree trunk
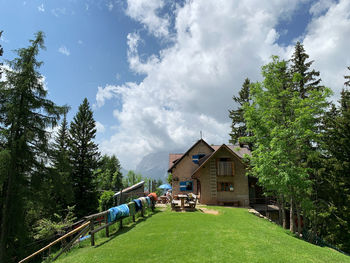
(4,217)
(291,216)
(299,219)
(283,210)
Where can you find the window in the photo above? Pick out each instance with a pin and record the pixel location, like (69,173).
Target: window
(225,187)
(186,186)
(196,157)
(225,167)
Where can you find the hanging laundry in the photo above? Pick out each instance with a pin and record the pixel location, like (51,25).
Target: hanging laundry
(117,212)
(138,205)
(148,201)
(132,208)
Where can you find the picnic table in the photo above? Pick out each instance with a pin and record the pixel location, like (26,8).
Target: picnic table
(182,199)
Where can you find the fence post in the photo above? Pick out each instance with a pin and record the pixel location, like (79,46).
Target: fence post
(91,231)
(107,228)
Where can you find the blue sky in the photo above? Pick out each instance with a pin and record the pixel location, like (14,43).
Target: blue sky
(158,71)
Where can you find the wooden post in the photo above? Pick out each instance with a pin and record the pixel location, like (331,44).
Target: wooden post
(107,228)
(92,233)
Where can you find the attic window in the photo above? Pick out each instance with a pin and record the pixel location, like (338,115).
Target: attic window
(195,158)
(225,167)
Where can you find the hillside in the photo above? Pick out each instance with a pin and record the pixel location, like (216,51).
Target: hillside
(232,236)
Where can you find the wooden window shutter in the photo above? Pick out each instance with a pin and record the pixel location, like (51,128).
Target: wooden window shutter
(233,168)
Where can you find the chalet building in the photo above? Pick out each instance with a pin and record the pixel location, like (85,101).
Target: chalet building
(216,173)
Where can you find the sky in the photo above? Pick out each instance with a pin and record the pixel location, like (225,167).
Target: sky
(159,72)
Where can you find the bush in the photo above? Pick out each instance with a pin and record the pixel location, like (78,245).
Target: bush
(106,200)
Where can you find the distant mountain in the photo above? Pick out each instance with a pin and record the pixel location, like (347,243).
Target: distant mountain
(124,171)
(154,165)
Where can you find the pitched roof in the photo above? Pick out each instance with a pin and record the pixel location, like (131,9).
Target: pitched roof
(179,160)
(240,151)
(173,157)
(234,149)
(131,188)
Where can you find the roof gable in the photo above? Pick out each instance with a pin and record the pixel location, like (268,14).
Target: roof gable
(229,149)
(186,153)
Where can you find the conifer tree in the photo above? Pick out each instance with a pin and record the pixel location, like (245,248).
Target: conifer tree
(84,157)
(335,187)
(109,176)
(238,126)
(25,116)
(308,78)
(347,79)
(61,189)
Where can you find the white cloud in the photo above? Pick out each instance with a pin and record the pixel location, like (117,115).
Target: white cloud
(64,50)
(59,11)
(327,41)
(100,127)
(320,6)
(145,12)
(110,6)
(41,8)
(188,86)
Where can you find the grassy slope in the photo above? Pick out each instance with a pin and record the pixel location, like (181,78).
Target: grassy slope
(232,236)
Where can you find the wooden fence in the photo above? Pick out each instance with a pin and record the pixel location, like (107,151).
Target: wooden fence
(90,225)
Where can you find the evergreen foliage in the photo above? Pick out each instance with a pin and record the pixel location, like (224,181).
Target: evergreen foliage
(238,126)
(25,114)
(307,78)
(347,79)
(109,176)
(335,187)
(61,190)
(84,157)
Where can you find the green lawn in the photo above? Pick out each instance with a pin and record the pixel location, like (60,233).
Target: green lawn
(232,236)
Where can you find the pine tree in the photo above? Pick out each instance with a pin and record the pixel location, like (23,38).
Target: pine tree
(335,187)
(308,79)
(238,126)
(347,78)
(109,176)
(84,157)
(25,116)
(61,183)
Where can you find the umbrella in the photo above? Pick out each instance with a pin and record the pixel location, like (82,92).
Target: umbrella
(165,186)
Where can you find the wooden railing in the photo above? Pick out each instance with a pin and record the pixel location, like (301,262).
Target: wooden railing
(90,225)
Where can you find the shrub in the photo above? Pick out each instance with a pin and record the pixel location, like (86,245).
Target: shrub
(106,200)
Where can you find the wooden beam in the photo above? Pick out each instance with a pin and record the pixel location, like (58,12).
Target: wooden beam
(55,242)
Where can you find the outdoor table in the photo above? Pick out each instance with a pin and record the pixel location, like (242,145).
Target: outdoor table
(164,199)
(182,198)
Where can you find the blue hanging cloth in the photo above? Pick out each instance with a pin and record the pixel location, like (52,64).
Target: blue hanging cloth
(138,204)
(117,212)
